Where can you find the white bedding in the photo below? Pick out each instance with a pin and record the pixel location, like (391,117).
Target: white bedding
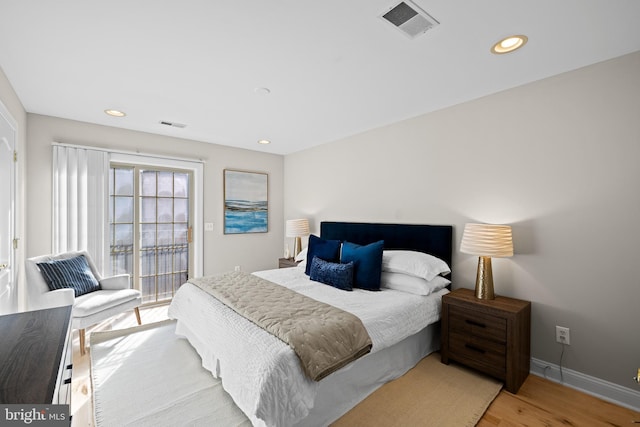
(260,372)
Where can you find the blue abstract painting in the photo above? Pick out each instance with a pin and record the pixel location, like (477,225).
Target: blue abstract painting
(246,208)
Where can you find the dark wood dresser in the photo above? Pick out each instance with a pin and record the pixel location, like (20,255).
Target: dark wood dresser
(491,336)
(35,357)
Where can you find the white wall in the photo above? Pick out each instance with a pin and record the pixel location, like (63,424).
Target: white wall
(221,252)
(557,159)
(12,103)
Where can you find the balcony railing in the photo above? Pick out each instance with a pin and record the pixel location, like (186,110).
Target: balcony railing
(163,269)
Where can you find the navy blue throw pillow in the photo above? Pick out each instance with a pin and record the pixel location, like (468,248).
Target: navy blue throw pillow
(367,262)
(333,274)
(327,250)
(69,273)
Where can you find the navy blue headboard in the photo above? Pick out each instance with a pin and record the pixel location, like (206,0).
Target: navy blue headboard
(436,240)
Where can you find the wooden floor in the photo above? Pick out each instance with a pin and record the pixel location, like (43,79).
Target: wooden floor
(539,402)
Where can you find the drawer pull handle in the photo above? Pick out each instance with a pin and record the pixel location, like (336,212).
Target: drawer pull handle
(67,381)
(474,323)
(474,348)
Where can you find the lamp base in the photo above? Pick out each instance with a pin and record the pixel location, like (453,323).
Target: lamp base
(297,246)
(484,279)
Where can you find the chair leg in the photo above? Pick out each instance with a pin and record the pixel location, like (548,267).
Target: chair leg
(82,349)
(137,310)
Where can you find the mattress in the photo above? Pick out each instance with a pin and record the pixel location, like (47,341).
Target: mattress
(263,375)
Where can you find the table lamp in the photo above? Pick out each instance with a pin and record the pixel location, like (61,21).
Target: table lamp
(297,228)
(486,241)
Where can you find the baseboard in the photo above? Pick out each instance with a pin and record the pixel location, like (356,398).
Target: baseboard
(602,389)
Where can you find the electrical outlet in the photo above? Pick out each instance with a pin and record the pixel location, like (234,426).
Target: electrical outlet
(236,268)
(562,335)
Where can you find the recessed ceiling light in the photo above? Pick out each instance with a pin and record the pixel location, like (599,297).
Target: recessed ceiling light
(264,141)
(115,113)
(509,44)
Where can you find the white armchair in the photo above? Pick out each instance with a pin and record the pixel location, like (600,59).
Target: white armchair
(114,296)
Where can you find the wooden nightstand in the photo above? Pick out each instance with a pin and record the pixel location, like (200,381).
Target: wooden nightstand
(492,336)
(287,262)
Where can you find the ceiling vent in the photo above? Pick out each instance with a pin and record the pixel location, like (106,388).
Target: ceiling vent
(410,19)
(172,124)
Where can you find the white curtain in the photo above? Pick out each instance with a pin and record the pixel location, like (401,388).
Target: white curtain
(80,202)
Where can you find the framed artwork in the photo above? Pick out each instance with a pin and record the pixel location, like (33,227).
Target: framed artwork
(246,208)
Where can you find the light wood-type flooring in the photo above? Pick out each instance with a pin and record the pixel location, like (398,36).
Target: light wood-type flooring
(539,402)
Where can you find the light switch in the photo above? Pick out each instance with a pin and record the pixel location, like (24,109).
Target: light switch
(208,226)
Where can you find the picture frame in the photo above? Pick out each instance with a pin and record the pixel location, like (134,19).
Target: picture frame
(246,202)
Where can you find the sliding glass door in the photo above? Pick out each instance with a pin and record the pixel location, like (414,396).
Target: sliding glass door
(164,233)
(155,205)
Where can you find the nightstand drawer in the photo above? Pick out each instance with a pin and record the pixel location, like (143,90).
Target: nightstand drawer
(485,355)
(478,324)
(492,336)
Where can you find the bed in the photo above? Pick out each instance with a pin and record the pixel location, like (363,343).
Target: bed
(263,375)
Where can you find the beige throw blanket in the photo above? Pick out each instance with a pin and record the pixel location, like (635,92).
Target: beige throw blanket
(323,337)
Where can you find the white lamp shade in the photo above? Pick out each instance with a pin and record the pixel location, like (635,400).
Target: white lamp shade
(297,227)
(489,240)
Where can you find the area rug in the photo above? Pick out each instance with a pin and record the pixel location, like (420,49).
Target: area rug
(147,376)
(430,394)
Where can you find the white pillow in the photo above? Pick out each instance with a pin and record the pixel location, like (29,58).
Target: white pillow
(414,263)
(412,284)
(302,255)
(301,258)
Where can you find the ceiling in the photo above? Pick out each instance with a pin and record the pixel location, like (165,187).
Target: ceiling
(332,68)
